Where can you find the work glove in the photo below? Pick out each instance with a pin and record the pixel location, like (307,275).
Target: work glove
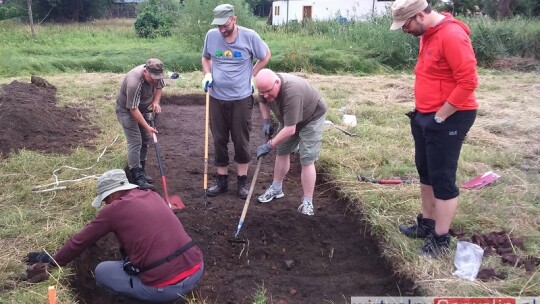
(267,128)
(207,81)
(263,149)
(37,272)
(38,257)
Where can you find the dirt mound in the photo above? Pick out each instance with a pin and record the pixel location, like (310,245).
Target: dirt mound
(31,120)
(519,64)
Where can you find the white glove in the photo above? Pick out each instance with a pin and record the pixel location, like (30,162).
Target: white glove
(207,81)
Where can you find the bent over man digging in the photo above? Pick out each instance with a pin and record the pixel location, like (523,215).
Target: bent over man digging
(161,263)
(301,112)
(227,63)
(139,96)
(445,110)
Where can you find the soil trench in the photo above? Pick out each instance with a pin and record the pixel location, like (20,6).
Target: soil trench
(295,258)
(332,259)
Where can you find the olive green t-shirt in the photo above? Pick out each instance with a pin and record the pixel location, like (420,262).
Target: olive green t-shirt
(135,92)
(298,103)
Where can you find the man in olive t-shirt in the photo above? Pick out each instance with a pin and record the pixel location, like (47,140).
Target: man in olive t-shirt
(301,111)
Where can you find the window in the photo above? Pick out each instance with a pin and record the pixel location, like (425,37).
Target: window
(276,11)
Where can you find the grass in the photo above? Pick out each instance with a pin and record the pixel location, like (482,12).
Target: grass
(330,47)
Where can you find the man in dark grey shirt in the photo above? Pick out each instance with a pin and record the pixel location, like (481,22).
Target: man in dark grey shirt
(139,96)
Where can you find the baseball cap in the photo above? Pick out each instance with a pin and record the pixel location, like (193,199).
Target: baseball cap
(405,9)
(155,67)
(110,182)
(222,13)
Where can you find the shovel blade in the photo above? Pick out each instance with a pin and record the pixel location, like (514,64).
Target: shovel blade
(176,203)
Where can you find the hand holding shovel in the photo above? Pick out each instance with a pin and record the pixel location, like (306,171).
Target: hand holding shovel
(175,203)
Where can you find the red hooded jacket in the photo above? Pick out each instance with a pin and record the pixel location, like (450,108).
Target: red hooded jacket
(446,68)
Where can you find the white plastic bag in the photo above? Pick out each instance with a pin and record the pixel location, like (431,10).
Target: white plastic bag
(467,260)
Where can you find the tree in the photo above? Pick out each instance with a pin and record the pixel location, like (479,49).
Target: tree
(31,19)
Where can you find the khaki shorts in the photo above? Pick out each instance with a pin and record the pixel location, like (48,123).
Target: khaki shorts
(307,141)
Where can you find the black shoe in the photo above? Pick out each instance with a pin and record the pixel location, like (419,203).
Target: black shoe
(420,230)
(436,245)
(147,177)
(138,179)
(242,191)
(221,186)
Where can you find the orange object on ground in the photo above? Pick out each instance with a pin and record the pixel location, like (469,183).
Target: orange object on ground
(52,295)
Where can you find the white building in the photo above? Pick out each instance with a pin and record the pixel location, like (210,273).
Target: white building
(284,11)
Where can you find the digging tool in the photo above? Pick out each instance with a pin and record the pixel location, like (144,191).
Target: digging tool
(207,122)
(384,181)
(248,198)
(174,201)
(328,122)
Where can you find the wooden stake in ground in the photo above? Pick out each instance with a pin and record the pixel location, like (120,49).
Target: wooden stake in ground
(52,295)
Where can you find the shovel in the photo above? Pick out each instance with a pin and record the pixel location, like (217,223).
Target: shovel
(174,201)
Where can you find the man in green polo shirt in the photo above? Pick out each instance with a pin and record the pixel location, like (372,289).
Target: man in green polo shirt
(301,112)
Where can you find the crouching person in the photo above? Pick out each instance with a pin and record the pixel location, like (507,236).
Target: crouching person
(161,262)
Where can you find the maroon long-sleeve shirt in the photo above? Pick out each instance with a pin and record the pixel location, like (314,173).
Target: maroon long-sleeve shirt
(146,228)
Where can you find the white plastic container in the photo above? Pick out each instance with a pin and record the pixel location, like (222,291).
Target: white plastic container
(349,120)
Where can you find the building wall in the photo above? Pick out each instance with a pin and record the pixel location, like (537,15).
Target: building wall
(326,9)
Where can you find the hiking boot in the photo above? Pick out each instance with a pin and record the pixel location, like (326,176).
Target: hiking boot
(138,179)
(147,177)
(270,194)
(306,208)
(221,185)
(419,230)
(436,245)
(242,191)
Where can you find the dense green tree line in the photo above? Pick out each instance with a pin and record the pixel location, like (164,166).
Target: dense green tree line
(84,10)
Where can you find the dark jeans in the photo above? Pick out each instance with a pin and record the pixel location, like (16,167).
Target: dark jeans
(437,149)
(231,119)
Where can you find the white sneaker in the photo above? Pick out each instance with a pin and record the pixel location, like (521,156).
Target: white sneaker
(270,194)
(306,208)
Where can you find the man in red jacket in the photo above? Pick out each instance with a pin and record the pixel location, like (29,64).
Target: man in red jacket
(161,262)
(445,110)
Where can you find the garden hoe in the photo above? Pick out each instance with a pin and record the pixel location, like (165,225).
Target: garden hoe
(248,198)
(207,121)
(174,201)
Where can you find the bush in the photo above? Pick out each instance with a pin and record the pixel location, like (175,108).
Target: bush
(156,18)
(151,25)
(9,12)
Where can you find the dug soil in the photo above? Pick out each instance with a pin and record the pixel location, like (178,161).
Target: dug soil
(326,258)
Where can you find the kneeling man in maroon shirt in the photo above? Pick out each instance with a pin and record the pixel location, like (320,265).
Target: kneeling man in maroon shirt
(161,263)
